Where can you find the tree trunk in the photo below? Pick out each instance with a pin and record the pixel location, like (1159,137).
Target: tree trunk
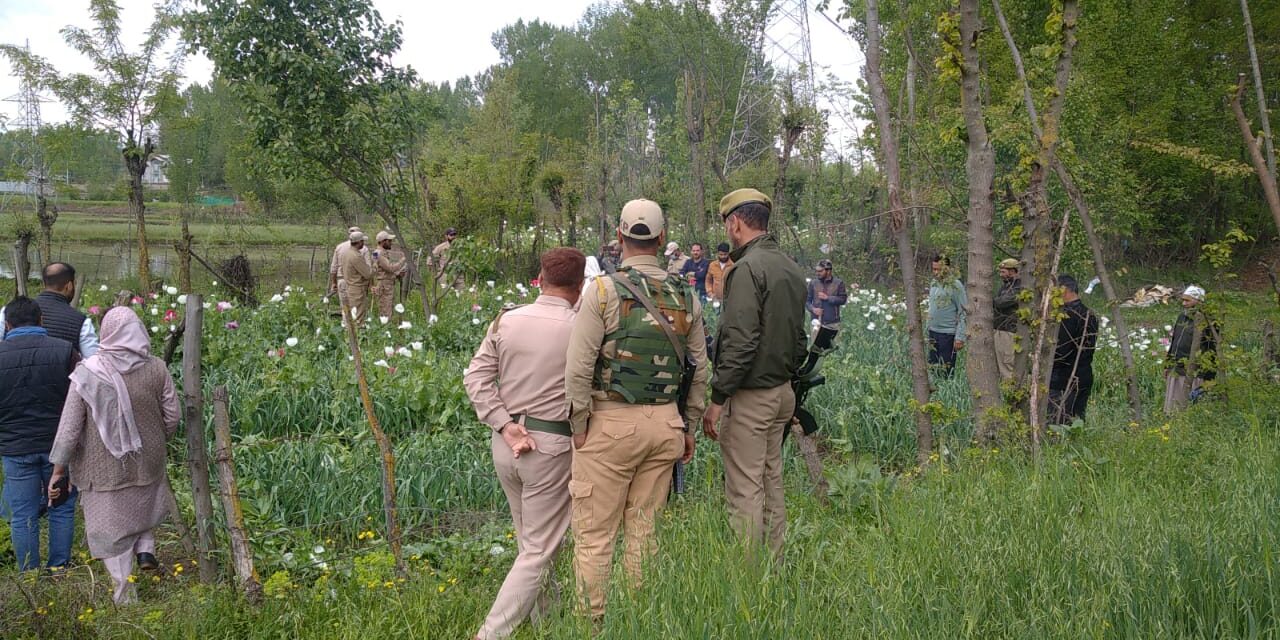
(1267,140)
(694,132)
(1086,221)
(135,160)
(984,377)
(46,215)
(21,264)
(183,249)
(901,233)
(1255,155)
(789,137)
(387,455)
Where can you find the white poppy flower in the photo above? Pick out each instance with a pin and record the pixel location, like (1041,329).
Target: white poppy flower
(399,308)
(317,550)
(155,311)
(291,342)
(182,299)
(381,363)
(288,287)
(320,348)
(324,300)
(277,298)
(406,325)
(206,305)
(871,326)
(490,283)
(433,319)
(417,346)
(215,283)
(102,288)
(405,352)
(475,321)
(496,550)
(888,317)
(173,291)
(390,351)
(383,319)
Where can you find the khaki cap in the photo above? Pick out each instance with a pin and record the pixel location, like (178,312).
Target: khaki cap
(672,247)
(641,219)
(740,197)
(356,236)
(385,235)
(1009,263)
(352,229)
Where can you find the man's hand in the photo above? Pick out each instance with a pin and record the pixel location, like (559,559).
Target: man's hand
(711,420)
(822,295)
(53,492)
(688,448)
(817,311)
(959,345)
(579,439)
(517,437)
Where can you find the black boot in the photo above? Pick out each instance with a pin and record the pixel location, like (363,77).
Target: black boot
(148,561)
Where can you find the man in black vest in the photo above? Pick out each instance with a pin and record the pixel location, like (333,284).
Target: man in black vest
(61,320)
(35,372)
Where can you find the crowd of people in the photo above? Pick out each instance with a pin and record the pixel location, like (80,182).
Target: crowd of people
(592,393)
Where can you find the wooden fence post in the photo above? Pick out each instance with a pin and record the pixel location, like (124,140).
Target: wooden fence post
(241,553)
(197,453)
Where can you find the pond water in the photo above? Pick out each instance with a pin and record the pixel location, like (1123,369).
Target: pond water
(274,266)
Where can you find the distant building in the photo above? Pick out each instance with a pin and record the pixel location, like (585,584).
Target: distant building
(154,175)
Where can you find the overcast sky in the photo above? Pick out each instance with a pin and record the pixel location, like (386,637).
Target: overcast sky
(442,40)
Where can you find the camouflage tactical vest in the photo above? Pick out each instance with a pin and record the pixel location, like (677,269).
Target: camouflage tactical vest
(646,369)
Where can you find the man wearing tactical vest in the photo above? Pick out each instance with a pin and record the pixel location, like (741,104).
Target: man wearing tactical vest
(622,379)
(761,344)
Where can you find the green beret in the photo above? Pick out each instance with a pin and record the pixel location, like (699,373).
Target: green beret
(740,197)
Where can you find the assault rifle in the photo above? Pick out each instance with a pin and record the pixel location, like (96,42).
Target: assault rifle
(808,377)
(682,403)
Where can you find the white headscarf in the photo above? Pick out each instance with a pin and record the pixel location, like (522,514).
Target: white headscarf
(593,268)
(124,348)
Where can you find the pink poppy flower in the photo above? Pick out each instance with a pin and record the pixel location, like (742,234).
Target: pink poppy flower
(95,310)
(137,300)
(535,283)
(170,315)
(233,325)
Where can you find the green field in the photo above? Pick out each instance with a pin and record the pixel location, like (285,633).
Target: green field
(1166,528)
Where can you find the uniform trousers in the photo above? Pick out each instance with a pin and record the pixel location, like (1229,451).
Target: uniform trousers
(1004,354)
(751,445)
(537,488)
(357,303)
(385,292)
(621,475)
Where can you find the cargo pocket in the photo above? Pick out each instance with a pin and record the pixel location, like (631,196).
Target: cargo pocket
(581,493)
(617,429)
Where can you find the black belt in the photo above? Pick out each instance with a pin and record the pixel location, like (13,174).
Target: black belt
(557,427)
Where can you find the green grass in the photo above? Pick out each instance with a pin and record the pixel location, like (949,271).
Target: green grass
(164,225)
(1164,529)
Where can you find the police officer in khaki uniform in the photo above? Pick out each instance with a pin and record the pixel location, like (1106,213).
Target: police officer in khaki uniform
(336,283)
(760,345)
(516,382)
(440,260)
(358,274)
(622,380)
(389,263)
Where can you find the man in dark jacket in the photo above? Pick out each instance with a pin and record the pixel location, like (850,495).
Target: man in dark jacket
(35,374)
(826,295)
(1071,379)
(1006,317)
(697,265)
(61,320)
(1189,364)
(760,346)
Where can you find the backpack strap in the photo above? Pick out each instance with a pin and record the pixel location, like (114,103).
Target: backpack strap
(493,328)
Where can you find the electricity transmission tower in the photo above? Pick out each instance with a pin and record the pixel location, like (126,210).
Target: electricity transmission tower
(28,156)
(779,66)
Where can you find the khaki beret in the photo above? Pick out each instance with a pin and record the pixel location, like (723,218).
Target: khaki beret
(1009,263)
(740,197)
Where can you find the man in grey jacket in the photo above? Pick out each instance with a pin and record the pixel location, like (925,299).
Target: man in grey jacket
(947,299)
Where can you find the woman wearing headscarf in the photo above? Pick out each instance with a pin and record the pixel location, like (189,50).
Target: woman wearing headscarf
(590,271)
(120,411)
